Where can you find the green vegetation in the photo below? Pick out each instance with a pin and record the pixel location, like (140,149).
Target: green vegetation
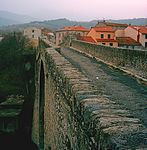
(15,53)
(14,99)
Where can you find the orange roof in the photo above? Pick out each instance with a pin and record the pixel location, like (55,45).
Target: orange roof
(86,39)
(106,40)
(103,29)
(74,28)
(127,41)
(112,24)
(141,29)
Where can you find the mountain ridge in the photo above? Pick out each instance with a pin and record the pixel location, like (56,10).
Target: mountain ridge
(59,23)
(14,22)
(9,18)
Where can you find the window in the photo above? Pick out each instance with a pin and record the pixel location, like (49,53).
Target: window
(33,31)
(145,44)
(78,35)
(102,36)
(111,44)
(145,36)
(109,36)
(103,43)
(32,36)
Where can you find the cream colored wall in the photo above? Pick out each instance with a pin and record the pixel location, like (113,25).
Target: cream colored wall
(59,37)
(142,39)
(119,33)
(61,34)
(115,44)
(28,32)
(130,32)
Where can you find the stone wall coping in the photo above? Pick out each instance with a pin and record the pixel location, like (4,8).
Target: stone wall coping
(110,119)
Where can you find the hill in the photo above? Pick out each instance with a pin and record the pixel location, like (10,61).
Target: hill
(8,18)
(135,21)
(59,23)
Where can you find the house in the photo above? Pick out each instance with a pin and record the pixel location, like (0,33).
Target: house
(33,34)
(127,42)
(138,33)
(71,32)
(47,34)
(103,36)
(118,27)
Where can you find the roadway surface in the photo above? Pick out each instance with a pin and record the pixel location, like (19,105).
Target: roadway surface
(112,83)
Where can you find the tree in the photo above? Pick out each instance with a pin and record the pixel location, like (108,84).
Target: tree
(11,48)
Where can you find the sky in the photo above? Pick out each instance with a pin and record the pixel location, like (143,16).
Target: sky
(84,10)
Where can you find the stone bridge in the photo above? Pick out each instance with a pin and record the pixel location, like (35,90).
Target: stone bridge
(72,113)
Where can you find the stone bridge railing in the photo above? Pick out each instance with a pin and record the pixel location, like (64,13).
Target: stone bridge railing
(132,61)
(71,114)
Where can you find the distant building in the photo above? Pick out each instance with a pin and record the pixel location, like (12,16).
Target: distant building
(103,36)
(127,42)
(116,26)
(138,33)
(48,35)
(117,35)
(71,31)
(33,34)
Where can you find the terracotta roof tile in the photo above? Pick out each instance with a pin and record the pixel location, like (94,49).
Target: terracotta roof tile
(141,29)
(106,40)
(103,29)
(112,24)
(87,39)
(74,28)
(127,41)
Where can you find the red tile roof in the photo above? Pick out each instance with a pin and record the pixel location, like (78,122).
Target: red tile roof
(103,29)
(87,39)
(74,28)
(127,41)
(111,24)
(106,40)
(141,29)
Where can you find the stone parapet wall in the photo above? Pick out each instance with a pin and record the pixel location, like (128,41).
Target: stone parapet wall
(134,61)
(76,115)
